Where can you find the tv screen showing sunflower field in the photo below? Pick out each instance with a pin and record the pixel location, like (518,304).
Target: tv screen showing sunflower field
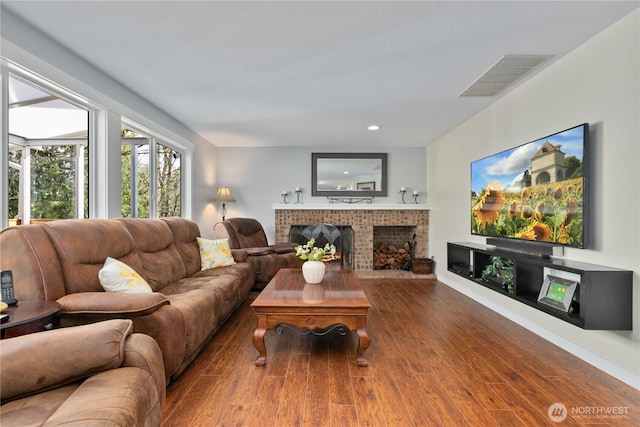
(533,192)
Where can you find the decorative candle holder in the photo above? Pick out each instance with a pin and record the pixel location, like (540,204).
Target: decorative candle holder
(402,192)
(284,197)
(298,191)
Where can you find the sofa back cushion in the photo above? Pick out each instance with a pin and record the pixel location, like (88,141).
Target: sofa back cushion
(83,245)
(161,262)
(27,251)
(185,234)
(245,233)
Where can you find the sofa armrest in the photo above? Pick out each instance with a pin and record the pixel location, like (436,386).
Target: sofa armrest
(142,351)
(37,362)
(283,248)
(110,305)
(266,250)
(239,255)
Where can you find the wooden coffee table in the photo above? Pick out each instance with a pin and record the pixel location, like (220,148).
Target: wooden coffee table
(287,302)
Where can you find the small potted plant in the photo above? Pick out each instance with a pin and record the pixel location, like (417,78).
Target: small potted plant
(500,270)
(313,268)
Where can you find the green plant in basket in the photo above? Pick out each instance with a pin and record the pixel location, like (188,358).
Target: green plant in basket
(309,252)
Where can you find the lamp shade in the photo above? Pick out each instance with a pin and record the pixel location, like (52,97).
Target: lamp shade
(224,196)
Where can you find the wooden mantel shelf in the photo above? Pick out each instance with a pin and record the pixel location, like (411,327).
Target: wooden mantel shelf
(352,207)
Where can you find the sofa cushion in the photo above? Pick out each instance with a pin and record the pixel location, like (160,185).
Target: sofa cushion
(37,273)
(231,284)
(214,253)
(160,260)
(36,409)
(244,233)
(117,276)
(200,316)
(185,233)
(82,245)
(118,397)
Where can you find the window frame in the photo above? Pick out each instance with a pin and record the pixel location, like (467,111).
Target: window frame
(9,70)
(154,139)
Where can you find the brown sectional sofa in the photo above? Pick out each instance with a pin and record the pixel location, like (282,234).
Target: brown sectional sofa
(59,261)
(92,375)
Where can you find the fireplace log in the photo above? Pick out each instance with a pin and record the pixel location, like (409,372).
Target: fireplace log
(390,256)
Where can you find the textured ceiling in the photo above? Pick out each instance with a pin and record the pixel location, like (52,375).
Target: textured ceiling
(314,73)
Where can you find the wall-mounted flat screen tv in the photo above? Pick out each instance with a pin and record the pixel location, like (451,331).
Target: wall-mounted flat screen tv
(535,192)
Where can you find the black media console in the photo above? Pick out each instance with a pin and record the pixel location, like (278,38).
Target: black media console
(602,299)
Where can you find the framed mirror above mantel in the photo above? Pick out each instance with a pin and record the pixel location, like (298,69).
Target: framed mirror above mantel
(349,175)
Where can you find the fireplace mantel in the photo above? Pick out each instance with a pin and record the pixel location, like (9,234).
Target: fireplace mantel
(352,207)
(362,218)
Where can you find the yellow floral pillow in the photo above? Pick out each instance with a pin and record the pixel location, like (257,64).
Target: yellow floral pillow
(215,253)
(116,276)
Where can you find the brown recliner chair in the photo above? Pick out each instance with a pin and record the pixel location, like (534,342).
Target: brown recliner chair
(96,374)
(248,234)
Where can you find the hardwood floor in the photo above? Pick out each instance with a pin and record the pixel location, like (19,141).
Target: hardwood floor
(437,358)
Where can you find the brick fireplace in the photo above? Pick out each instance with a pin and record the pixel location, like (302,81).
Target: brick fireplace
(362,219)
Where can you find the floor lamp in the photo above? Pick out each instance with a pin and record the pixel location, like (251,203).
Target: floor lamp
(224,196)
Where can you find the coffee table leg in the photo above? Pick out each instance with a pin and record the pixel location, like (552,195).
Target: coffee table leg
(258,341)
(363,341)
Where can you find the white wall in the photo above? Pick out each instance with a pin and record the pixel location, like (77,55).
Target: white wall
(204,186)
(257,177)
(598,83)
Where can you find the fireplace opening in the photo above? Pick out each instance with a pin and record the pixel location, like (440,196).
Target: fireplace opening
(341,236)
(393,247)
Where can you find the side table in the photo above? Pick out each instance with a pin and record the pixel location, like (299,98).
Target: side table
(30,316)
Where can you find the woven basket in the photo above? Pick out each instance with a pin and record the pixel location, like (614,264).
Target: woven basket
(421,265)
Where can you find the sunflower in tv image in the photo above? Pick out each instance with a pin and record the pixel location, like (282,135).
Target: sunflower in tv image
(550,212)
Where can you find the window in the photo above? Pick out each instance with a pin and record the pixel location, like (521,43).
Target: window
(151,185)
(55,153)
(48,155)
(169,181)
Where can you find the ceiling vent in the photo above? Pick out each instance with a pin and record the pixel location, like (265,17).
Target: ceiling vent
(503,74)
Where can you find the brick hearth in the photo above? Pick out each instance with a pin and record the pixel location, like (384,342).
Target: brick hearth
(361,220)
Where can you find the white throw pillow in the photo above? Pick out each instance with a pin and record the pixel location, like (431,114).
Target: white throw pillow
(116,276)
(215,253)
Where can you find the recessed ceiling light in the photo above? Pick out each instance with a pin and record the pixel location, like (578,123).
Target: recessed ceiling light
(374,127)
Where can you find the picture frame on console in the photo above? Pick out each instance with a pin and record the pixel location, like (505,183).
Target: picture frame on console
(557,292)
